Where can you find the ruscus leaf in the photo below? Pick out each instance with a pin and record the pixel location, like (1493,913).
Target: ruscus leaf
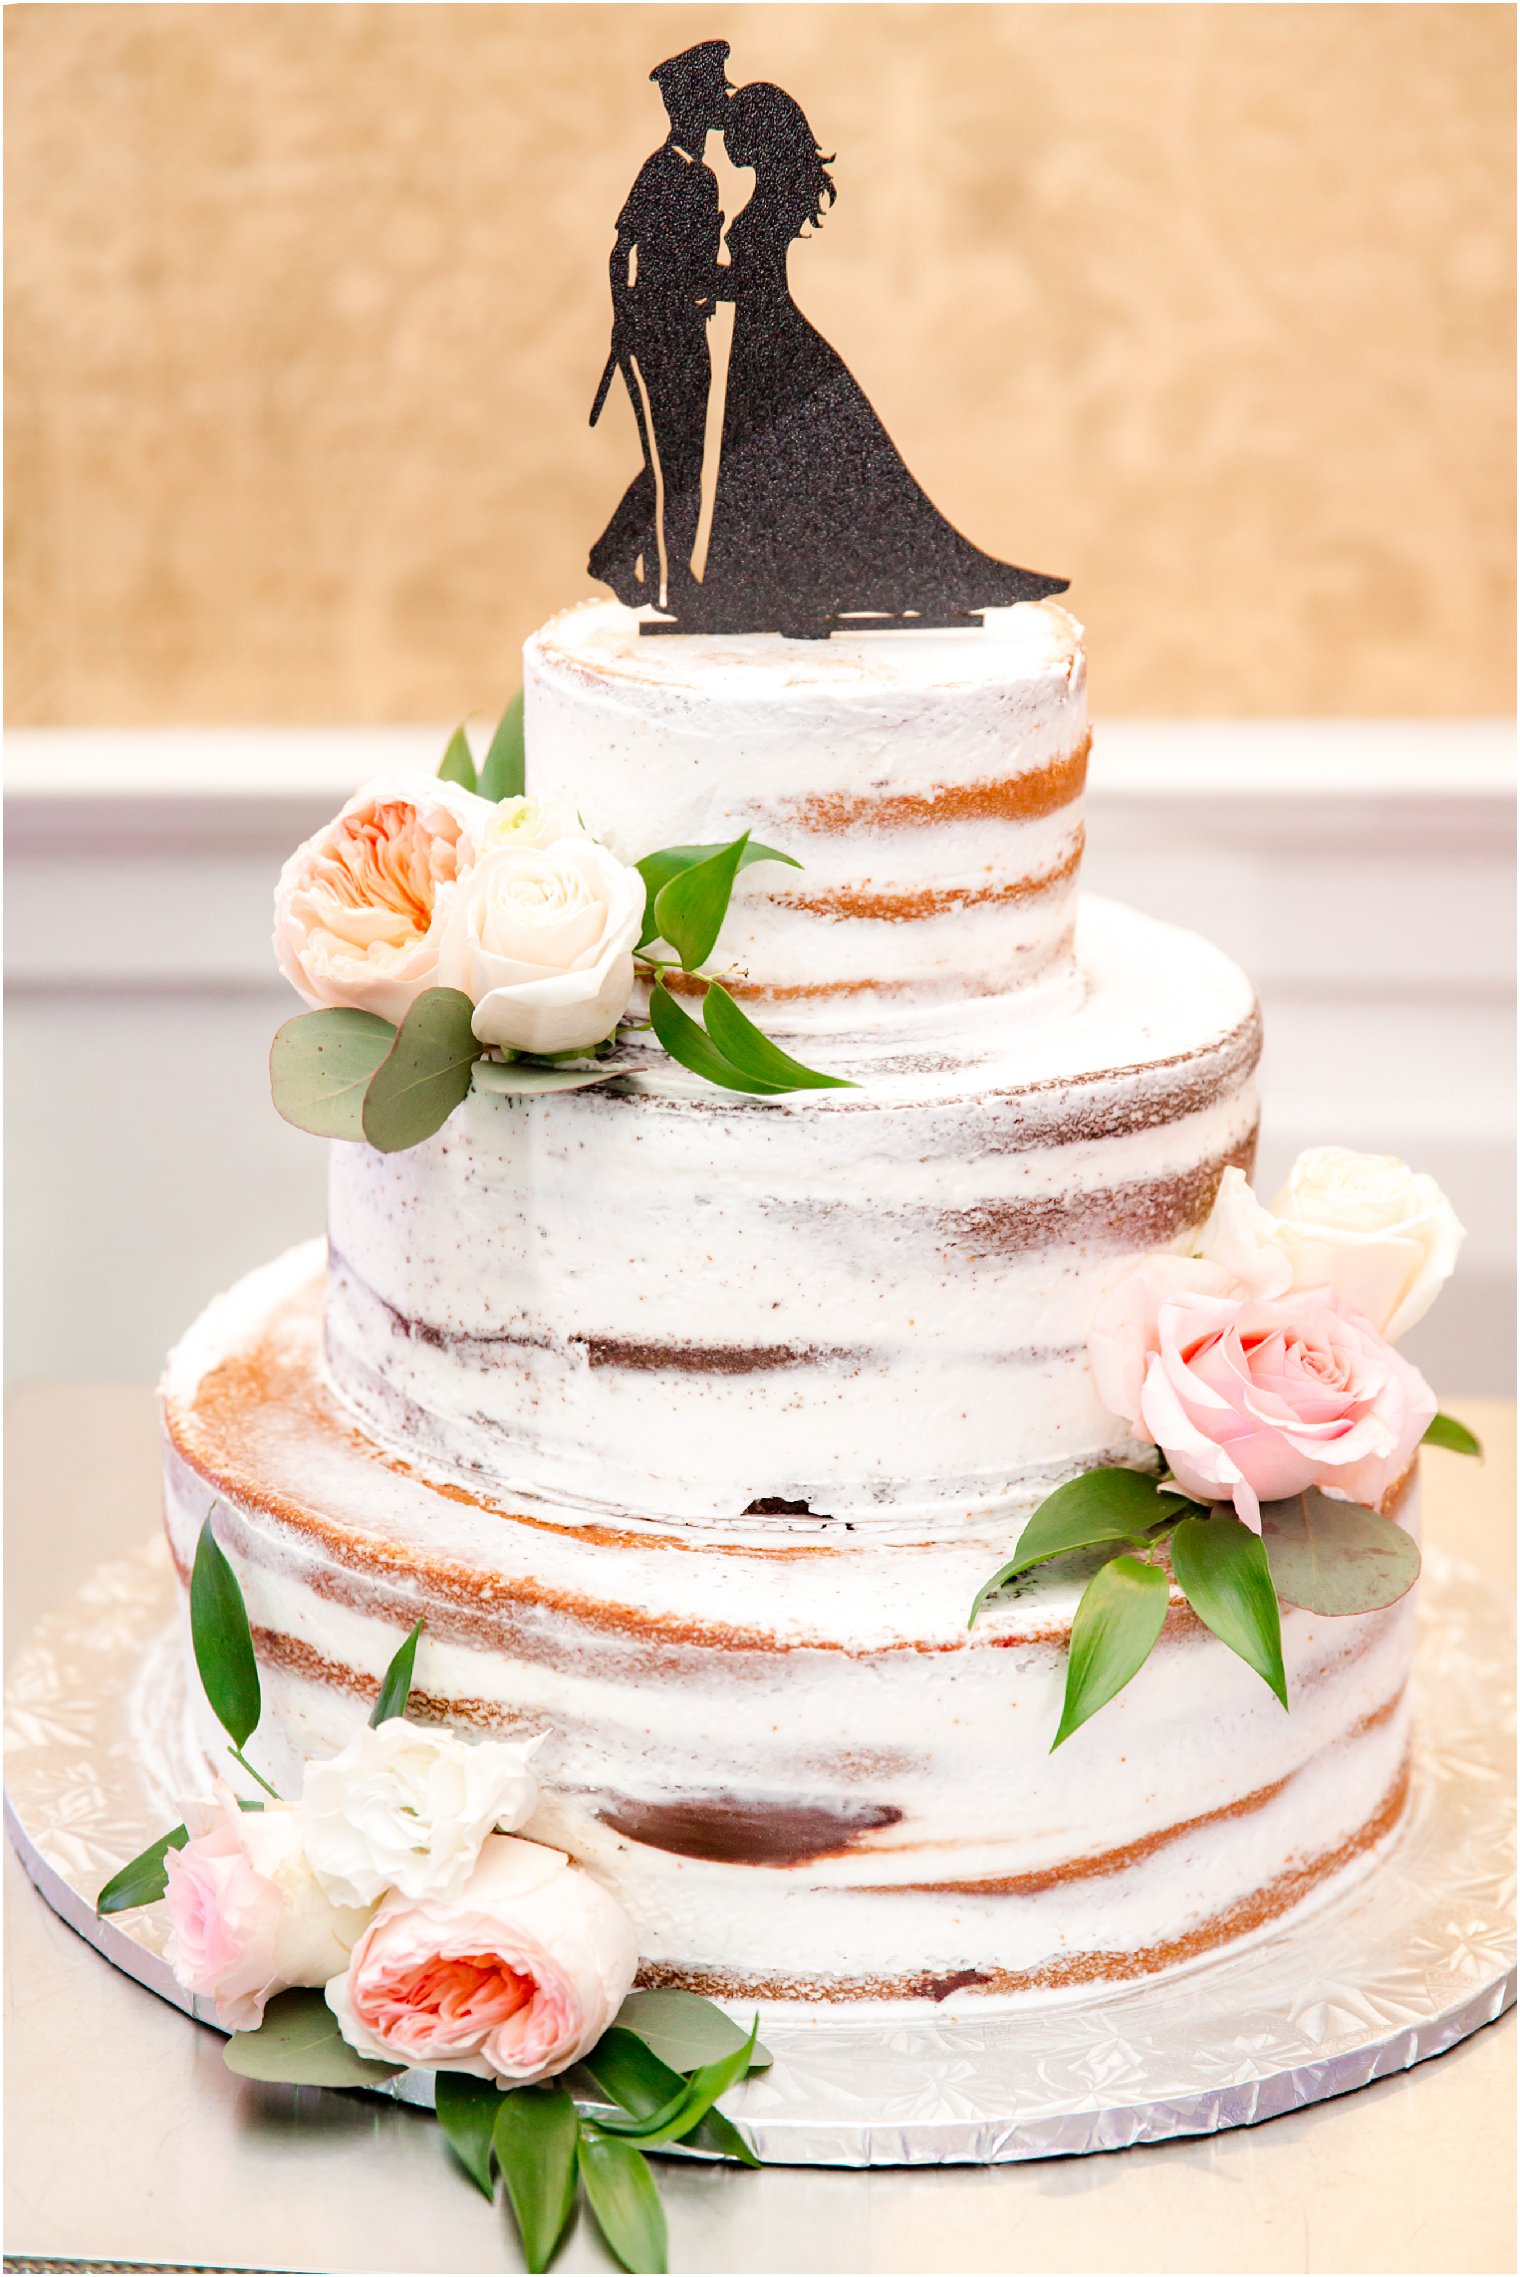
(299,2044)
(396,1683)
(426,1073)
(320,1065)
(672,2122)
(693,1048)
(223,1641)
(456,765)
(689,910)
(512,1079)
(1113,1505)
(625,2069)
(504,769)
(1121,1615)
(1336,1558)
(745,1047)
(1446,1431)
(622,2195)
(144,1879)
(1221,1569)
(668,862)
(467,2109)
(535,2142)
(683,2029)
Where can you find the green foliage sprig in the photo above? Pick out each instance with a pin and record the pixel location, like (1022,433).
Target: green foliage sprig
(1323,1555)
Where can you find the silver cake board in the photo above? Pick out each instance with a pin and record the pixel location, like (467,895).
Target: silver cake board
(1393,1968)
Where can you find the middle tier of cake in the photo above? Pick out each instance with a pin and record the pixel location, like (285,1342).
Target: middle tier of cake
(860,1307)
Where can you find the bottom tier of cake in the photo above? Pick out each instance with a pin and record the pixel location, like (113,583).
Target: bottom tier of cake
(802,1775)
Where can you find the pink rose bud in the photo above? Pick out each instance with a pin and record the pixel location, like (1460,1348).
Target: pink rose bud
(513,1980)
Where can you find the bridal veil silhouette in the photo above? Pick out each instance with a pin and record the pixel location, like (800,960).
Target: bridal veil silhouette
(817,523)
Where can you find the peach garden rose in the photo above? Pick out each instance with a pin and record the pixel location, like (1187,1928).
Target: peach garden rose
(513,1980)
(360,908)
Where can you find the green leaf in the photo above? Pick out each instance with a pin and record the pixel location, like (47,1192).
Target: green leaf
(625,2069)
(396,1683)
(535,2140)
(744,1047)
(1335,1557)
(426,1073)
(467,2109)
(694,1048)
(626,2204)
(504,769)
(456,765)
(659,868)
(1118,1620)
(223,1641)
(299,2044)
(521,1078)
(684,2030)
(689,910)
(1221,1569)
(320,1064)
(1446,1431)
(144,1878)
(1113,1505)
(675,2119)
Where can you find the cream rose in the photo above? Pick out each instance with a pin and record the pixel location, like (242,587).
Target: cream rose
(513,1980)
(1380,1237)
(247,1916)
(405,1806)
(541,941)
(528,822)
(359,909)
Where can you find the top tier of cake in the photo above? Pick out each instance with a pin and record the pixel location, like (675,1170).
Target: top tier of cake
(930,783)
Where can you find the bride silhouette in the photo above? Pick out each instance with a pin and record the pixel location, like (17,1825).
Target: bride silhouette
(816,518)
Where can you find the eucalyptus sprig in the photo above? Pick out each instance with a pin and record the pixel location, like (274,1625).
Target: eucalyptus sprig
(1313,1551)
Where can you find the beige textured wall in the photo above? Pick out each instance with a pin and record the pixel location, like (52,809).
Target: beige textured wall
(1210,306)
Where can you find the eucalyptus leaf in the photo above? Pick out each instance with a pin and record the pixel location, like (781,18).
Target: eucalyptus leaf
(320,1065)
(504,769)
(659,868)
(456,765)
(1121,1614)
(690,909)
(144,1879)
(535,2143)
(694,1048)
(1221,1569)
(426,1073)
(299,2044)
(746,1048)
(1336,1558)
(396,1683)
(512,1078)
(1113,1505)
(1446,1431)
(685,2030)
(223,1641)
(622,2195)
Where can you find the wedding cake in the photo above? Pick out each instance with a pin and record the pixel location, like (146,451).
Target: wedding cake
(689,1421)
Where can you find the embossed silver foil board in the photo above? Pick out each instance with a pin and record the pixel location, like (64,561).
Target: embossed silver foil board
(1393,1969)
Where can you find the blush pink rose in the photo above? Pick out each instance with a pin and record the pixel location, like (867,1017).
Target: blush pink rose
(1252,1400)
(359,910)
(513,1980)
(247,1917)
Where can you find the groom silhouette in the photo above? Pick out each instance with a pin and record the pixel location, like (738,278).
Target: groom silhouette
(664,277)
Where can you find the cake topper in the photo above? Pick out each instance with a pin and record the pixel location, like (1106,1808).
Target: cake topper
(817,524)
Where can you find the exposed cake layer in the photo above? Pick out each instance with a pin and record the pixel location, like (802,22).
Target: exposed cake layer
(787,1755)
(930,783)
(668,1299)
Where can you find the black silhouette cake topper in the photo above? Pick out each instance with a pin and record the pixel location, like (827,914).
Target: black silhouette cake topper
(817,524)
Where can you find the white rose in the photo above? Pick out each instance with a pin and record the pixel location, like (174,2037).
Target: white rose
(359,909)
(406,1807)
(528,822)
(541,941)
(1382,1238)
